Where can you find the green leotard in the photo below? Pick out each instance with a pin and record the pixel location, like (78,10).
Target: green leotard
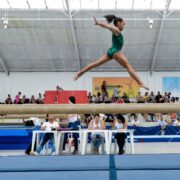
(117,44)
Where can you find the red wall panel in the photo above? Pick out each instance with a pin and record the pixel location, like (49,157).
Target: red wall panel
(62,97)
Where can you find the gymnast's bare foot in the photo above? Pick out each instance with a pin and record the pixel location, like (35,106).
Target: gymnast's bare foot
(77,76)
(143,86)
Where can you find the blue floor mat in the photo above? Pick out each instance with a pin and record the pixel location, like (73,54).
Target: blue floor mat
(99,167)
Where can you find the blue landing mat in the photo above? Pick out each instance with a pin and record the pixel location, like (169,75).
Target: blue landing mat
(99,162)
(100,167)
(93,175)
(75,175)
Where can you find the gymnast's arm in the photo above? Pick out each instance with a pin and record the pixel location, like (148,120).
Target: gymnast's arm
(114,29)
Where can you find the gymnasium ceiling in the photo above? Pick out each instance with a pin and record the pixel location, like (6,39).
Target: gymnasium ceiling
(60,35)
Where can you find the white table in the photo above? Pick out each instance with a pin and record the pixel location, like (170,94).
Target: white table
(85,138)
(60,139)
(35,138)
(131,133)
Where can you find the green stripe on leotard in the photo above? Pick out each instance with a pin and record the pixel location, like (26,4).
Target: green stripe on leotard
(117,44)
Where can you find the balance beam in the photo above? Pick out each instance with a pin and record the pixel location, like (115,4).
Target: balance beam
(26,116)
(89,108)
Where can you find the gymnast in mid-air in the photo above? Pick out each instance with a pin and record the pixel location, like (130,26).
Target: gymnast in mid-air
(115,51)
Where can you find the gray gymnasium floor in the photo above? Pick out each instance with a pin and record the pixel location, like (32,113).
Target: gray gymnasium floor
(140,148)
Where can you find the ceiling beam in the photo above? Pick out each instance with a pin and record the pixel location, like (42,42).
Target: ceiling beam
(73,34)
(9,4)
(4,66)
(28,4)
(168,2)
(132,4)
(46,4)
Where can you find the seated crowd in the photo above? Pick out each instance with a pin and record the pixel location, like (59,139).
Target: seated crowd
(146,98)
(19,99)
(22,99)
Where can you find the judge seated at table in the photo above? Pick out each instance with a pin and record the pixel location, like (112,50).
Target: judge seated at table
(51,125)
(120,123)
(97,138)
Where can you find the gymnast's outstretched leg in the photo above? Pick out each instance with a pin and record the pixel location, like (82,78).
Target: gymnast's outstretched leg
(100,61)
(122,60)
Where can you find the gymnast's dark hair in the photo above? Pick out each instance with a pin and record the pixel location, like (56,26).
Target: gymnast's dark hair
(113,18)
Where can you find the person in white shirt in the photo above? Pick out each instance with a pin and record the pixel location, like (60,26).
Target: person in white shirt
(116,92)
(97,138)
(160,121)
(135,121)
(50,125)
(120,123)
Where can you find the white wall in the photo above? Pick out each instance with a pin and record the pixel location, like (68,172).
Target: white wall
(33,83)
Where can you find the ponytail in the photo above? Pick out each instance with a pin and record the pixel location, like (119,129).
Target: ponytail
(110,18)
(113,18)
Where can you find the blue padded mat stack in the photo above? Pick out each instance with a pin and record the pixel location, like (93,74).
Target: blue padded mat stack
(101,167)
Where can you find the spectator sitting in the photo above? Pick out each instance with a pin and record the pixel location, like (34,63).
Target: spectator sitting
(17,98)
(51,125)
(109,118)
(152,97)
(158,97)
(120,123)
(176,100)
(8,99)
(24,100)
(98,98)
(40,99)
(120,100)
(135,121)
(89,97)
(97,138)
(139,98)
(33,100)
(166,97)
(177,122)
(169,120)
(107,100)
(173,99)
(87,118)
(94,98)
(146,97)
(173,117)
(160,121)
(125,97)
